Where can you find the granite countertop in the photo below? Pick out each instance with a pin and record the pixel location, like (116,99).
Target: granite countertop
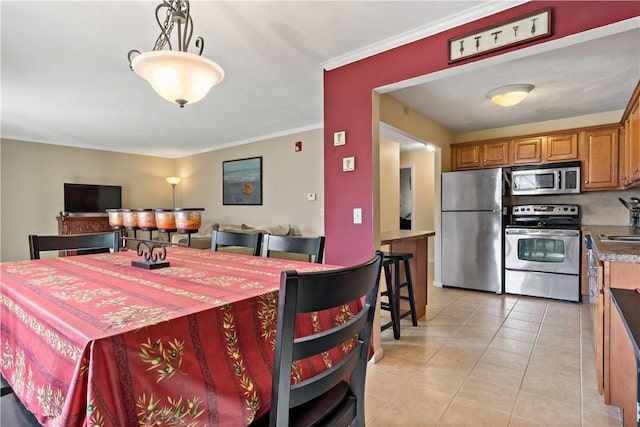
(387,237)
(614,251)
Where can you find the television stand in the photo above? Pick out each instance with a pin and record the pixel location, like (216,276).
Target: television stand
(83,224)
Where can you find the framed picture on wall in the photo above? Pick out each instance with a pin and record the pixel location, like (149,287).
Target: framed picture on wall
(242,181)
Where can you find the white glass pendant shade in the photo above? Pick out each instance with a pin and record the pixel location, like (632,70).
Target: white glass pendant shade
(507,96)
(179,77)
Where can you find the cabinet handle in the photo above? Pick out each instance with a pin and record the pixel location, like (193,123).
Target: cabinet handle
(586,182)
(548,154)
(636,169)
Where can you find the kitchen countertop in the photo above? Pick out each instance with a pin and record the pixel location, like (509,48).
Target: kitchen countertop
(387,237)
(627,301)
(614,251)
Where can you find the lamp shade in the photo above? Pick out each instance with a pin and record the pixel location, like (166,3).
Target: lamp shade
(173,180)
(507,96)
(179,77)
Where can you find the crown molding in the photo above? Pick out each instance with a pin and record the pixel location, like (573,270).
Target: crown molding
(483,10)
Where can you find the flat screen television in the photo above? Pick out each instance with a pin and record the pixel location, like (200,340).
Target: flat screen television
(90,198)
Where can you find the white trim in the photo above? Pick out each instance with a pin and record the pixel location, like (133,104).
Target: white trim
(481,11)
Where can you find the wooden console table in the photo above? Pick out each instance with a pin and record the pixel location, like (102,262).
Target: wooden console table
(82,224)
(416,242)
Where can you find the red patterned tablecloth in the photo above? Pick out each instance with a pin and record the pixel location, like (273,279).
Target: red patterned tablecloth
(91,340)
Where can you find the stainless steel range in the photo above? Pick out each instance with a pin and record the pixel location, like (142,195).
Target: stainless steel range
(542,251)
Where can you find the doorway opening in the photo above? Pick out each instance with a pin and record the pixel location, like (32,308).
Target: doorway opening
(406,197)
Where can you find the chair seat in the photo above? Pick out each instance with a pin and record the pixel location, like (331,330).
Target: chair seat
(14,414)
(315,412)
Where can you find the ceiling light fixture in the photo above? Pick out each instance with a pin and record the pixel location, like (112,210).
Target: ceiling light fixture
(506,96)
(176,75)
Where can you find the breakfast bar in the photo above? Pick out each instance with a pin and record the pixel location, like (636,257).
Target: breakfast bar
(415,242)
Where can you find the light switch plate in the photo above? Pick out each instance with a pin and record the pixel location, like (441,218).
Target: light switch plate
(339,138)
(348,164)
(357,215)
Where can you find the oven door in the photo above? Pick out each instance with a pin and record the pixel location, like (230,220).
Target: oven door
(542,250)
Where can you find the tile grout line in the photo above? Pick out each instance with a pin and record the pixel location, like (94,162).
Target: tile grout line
(533,348)
(581,373)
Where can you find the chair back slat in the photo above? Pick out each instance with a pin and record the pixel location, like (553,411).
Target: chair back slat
(95,242)
(231,238)
(313,246)
(317,291)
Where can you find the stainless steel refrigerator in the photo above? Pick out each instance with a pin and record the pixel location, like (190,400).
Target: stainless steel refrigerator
(473,229)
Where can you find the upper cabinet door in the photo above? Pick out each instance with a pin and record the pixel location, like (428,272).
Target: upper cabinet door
(561,147)
(527,150)
(495,154)
(599,148)
(466,157)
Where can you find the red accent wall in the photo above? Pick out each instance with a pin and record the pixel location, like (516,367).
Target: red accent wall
(348,101)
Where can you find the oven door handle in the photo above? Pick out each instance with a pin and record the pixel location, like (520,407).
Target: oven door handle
(551,233)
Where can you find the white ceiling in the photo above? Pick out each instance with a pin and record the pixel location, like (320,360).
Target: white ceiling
(66,80)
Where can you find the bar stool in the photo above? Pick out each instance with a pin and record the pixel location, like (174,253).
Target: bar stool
(393,293)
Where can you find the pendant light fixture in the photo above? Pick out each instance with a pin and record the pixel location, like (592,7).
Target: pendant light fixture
(507,96)
(176,75)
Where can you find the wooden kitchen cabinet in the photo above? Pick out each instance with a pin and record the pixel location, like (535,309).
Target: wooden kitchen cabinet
(593,294)
(630,150)
(599,154)
(624,360)
(527,150)
(543,149)
(618,266)
(481,155)
(561,147)
(495,154)
(465,156)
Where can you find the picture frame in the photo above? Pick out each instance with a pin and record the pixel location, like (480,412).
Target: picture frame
(513,32)
(242,181)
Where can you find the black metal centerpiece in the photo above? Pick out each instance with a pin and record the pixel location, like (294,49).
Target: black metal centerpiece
(154,254)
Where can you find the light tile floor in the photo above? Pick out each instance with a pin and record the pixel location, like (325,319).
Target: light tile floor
(481,359)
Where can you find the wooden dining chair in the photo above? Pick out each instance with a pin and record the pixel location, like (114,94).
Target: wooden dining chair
(313,246)
(80,244)
(325,398)
(231,238)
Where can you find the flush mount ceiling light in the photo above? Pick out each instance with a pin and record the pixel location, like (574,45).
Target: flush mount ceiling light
(176,75)
(506,96)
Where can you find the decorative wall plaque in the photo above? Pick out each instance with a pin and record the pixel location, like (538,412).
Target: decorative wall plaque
(519,30)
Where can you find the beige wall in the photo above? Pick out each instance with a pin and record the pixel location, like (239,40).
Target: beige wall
(389,185)
(424,186)
(405,118)
(32,186)
(542,127)
(287,178)
(32,175)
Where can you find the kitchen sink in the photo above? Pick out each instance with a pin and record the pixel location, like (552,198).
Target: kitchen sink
(623,238)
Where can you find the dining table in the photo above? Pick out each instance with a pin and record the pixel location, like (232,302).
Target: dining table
(93,340)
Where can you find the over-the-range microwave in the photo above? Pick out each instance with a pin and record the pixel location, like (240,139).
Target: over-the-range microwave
(551,178)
